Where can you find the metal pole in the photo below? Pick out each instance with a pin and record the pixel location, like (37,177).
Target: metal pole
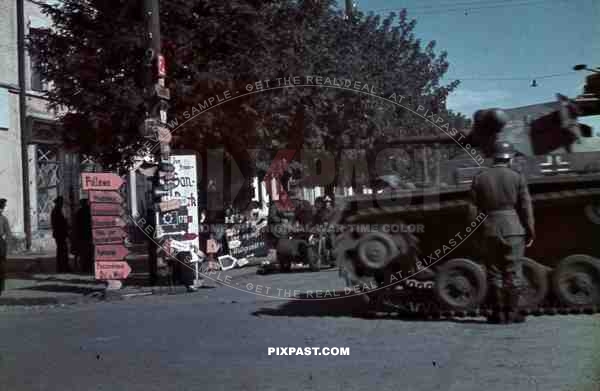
(156,114)
(23,121)
(153,48)
(349,9)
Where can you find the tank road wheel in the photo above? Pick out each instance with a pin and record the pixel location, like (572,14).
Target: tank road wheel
(576,280)
(535,277)
(592,212)
(376,250)
(460,284)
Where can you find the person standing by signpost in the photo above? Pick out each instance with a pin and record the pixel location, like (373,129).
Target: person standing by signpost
(83,237)
(60,231)
(4,235)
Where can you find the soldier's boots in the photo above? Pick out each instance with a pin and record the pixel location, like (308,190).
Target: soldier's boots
(513,315)
(498,315)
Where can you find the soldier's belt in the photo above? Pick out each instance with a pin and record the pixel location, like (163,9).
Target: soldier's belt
(502,212)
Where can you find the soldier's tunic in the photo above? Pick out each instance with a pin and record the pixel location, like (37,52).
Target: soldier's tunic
(502,194)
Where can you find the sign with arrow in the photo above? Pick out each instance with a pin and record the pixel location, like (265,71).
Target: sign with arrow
(106,205)
(167,206)
(108,197)
(107,222)
(100,181)
(106,210)
(112,270)
(115,252)
(114,235)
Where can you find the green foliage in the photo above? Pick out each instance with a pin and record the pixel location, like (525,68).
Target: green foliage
(94,58)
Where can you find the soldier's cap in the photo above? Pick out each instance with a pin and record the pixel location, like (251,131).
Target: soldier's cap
(2,203)
(327,199)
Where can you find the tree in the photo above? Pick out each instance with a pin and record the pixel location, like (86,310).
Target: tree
(94,55)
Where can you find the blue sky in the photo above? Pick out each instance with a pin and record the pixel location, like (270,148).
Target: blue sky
(510,39)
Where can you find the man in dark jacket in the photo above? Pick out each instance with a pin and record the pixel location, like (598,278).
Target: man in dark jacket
(84,237)
(4,235)
(502,194)
(60,232)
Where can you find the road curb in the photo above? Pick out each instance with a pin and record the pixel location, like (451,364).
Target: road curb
(98,296)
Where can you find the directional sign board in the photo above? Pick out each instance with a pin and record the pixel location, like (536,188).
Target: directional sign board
(117,270)
(106,205)
(167,206)
(101,181)
(114,235)
(113,252)
(106,209)
(111,197)
(107,222)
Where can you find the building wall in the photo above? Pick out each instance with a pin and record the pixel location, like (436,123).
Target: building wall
(11,169)
(11,185)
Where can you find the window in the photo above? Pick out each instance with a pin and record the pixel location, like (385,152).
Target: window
(4,109)
(37,84)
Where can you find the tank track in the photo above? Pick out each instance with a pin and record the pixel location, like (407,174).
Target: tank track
(419,300)
(417,297)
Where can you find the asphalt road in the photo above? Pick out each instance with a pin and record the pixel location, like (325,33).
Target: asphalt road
(218,339)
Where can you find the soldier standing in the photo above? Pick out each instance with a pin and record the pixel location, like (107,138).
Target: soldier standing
(60,231)
(84,241)
(4,235)
(502,194)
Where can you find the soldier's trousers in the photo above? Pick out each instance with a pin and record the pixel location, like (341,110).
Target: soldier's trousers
(504,264)
(62,256)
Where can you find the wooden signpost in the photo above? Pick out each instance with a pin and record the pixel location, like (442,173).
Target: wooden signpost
(104,181)
(112,270)
(106,209)
(114,235)
(111,197)
(106,204)
(107,222)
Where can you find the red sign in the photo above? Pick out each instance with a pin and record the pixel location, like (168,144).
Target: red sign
(162,68)
(106,209)
(109,235)
(108,197)
(112,270)
(100,181)
(114,252)
(107,222)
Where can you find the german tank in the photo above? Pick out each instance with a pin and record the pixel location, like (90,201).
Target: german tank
(420,247)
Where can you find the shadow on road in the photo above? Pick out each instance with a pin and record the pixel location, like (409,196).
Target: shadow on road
(62,289)
(352,306)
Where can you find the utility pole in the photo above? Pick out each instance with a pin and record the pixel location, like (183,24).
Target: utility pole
(349,7)
(155,124)
(23,121)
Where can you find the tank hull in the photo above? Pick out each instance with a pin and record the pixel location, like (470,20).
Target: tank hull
(443,230)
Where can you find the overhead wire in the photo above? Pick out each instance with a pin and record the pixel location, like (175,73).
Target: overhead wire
(463,6)
(517,78)
(467,6)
